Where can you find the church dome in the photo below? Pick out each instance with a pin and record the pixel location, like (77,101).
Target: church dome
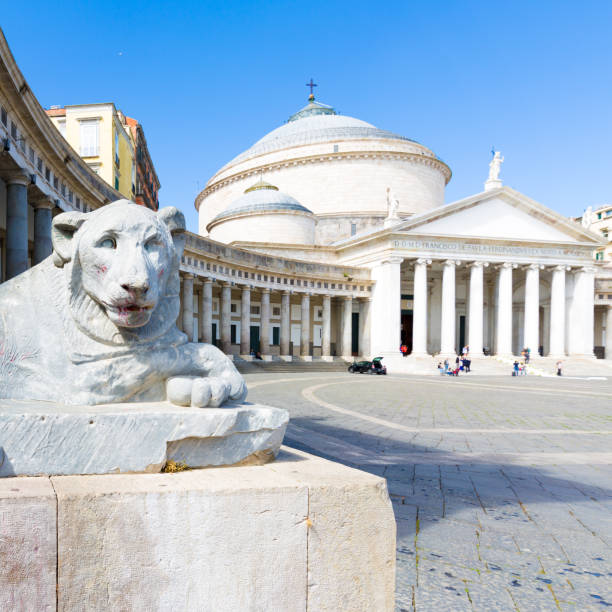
(315,123)
(262,197)
(334,165)
(260,211)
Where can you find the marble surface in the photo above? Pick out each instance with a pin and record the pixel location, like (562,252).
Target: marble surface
(95,322)
(49,438)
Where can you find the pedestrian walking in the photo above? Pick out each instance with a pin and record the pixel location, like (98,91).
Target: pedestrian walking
(559,366)
(515,366)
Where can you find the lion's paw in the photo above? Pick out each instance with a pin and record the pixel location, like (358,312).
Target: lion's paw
(199,392)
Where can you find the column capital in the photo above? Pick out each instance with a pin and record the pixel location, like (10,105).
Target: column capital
(19,176)
(265,290)
(286,292)
(391,259)
(478,264)
(451,262)
(587,269)
(207,280)
(561,268)
(245,287)
(187,276)
(507,265)
(534,267)
(422,261)
(346,297)
(226,284)
(364,299)
(44,202)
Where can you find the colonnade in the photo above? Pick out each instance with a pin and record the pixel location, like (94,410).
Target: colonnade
(571,307)
(17,234)
(202,289)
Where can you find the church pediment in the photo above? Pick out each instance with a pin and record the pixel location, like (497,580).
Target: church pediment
(501,214)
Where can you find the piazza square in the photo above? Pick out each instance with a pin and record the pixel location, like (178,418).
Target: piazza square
(190,412)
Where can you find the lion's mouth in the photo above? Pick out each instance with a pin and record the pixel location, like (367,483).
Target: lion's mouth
(125,308)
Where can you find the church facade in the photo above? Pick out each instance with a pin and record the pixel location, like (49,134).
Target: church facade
(496,271)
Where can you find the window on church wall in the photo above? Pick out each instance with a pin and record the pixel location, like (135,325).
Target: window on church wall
(3,115)
(276,311)
(353,229)
(89,138)
(255,310)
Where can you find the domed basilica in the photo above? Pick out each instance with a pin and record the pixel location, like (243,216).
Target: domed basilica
(495,271)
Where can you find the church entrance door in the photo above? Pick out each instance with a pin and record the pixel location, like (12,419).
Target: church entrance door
(406,334)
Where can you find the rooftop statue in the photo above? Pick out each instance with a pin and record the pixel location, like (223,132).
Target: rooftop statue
(495,166)
(587,217)
(392,204)
(94,323)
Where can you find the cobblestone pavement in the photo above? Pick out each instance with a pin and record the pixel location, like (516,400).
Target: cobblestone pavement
(502,487)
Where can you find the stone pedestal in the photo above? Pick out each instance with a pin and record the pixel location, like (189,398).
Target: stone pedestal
(300,533)
(47,438)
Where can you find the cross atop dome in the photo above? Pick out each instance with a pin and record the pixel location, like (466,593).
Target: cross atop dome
(312,85)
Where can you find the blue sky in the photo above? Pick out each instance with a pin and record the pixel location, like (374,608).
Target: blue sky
(207,79)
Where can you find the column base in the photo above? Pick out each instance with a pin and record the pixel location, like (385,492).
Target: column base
(246,357)
(326,358)
(266,357)
(286,358)
(348,358)
(581,356)
(419,354)
(305,357)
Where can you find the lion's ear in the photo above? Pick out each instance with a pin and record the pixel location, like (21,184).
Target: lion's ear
(62,230)
(175,220)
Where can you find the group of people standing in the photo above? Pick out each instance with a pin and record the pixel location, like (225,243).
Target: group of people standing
(462,363)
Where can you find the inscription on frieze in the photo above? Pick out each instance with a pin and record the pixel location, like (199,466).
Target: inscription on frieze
(490,249)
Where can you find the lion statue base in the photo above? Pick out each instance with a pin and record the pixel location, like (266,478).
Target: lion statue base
(95,324)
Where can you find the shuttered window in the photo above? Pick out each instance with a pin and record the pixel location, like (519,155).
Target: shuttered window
(89,138)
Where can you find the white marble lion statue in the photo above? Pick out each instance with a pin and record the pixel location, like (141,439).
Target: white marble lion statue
(95,322)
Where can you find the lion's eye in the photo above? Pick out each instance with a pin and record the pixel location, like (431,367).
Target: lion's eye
(108,243)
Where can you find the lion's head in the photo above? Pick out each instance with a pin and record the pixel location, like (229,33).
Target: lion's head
(122,263)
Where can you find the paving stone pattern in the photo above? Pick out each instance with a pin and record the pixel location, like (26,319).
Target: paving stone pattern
(502,487)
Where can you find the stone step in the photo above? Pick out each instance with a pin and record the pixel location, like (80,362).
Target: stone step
(264,367)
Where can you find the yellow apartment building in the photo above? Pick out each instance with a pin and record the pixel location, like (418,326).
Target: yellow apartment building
(100,135)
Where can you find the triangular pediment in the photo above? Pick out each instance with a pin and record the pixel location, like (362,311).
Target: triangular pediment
(502,214)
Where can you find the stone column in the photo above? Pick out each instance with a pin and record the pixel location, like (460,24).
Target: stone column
(504,310)
(285,329)
(608,322)
(588,297)
(206,308)
(531,336)
(326,330)
(16,224)
(476,309)
(188,306)
(264,329)
(419,316)
(245,323)
(557,312)
(42,230)
(386,308)
(226,318)
(580,314)
(447,324)
(364,328)
(347,327)
(305,331)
